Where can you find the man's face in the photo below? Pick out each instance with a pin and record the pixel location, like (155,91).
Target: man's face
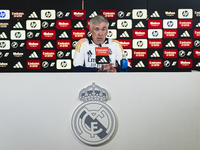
(99,32)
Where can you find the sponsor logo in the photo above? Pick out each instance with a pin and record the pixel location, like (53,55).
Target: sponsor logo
(185,13)
(170,23)
(140,43)
(4,14)
(197,13)
(67,14)
(33,44)
(18,65)
(48,14)
(78,14)
(154,24)
(63,64)
(124,24)
(64,35)
(167,63)
(170,33)
(63,44)
(48,45)
(4,25)
(196,53)
(102,59)
(79,25)
(155,54)
(99,51)
(185,34)
(33,55)
(185,63)
(155,63)
(3,35)
(170,53)
(124,34)
(139,25)
(59,14)
(18,54)
(155,14)
(185,23)
(139,13)
(121,14)
(33,15)
(197,65)
(170,44)
(33,64)
(170,13)
(48,54)
(196,33)
(3,64)
(17,14)
(197,43)
(93,14)
(155,33)
(63,24)
(17,34)
(45,64)
(93,122)
(126,43)
(140,33)
(33,24)
(4,44)
(112,34)
(4,55)
(109,14)
(18,25)
(140,64)
(185,43)
(78,34)
(48,34)
(155,43)
(113,24)
(139,54)
(182,53)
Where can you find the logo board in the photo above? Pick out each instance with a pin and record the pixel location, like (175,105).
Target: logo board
(93,122)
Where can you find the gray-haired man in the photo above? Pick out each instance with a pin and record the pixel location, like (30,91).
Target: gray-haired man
(85,58)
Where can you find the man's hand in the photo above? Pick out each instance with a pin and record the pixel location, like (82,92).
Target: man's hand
(109,67)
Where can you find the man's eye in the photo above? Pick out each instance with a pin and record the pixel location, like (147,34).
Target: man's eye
(96,29)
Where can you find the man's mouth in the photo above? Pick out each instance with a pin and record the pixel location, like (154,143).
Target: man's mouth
(99,38)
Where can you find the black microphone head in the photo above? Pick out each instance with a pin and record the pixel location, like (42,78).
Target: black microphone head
(100,45)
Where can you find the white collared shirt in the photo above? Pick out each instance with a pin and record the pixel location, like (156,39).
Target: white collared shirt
(85,52)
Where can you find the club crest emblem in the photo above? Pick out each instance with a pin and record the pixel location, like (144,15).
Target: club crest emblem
(93,122)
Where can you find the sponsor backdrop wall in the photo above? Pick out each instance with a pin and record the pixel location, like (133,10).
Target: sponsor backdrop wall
(41,36)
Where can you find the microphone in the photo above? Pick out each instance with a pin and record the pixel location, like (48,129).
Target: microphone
(102,67)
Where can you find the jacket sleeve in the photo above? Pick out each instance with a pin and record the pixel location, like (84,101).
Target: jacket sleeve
(79,55)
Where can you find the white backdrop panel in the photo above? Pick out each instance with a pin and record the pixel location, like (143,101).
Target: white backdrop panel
(155,111)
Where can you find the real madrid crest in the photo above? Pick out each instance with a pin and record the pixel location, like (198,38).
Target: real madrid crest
(93,122)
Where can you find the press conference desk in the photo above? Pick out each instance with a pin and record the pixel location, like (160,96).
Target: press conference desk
(155,111)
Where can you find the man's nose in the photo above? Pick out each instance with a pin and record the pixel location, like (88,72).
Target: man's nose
(100,32)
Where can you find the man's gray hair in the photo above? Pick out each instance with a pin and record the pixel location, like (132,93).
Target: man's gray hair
(97,20)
